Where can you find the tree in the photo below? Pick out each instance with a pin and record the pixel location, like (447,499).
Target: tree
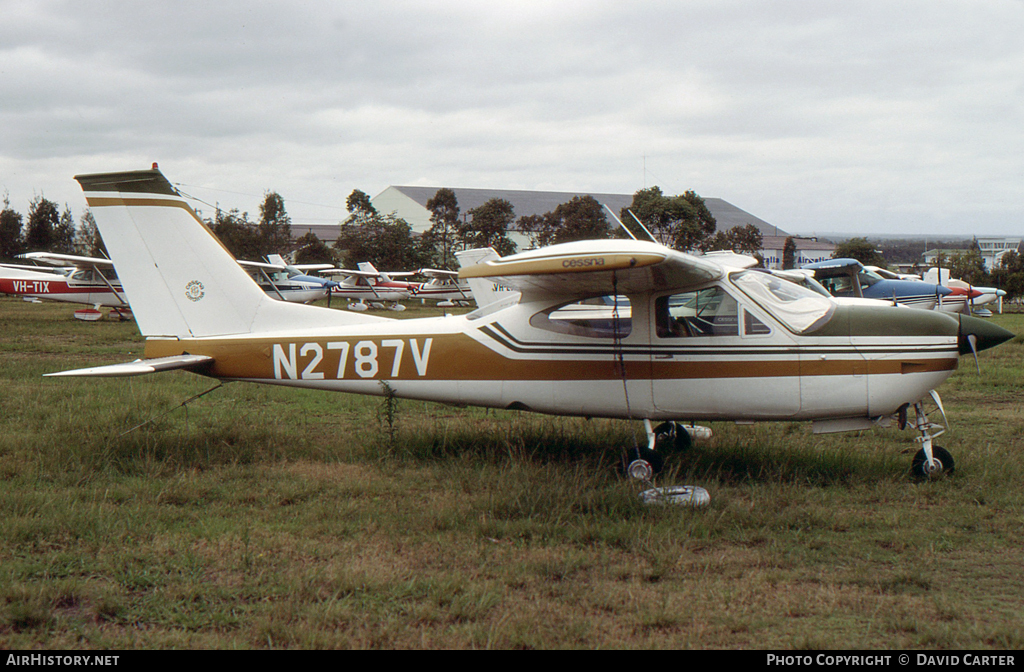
(238,234)
(312,250)
(860,249)
(385,241)
(1009,275)
(488,226)
(10,231)
(358,202)
(43,220)
(682,222)
(969,267)
(789,253)
(582,218)
(88,241)
(64,233)
(740,239)
(275,226)
(444,221)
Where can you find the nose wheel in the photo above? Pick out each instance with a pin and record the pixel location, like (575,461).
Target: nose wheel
(941,462)
(930,461)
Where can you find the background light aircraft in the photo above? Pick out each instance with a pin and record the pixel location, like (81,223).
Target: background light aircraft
(289,282)
(444,287)
(74,279)
(369,284)
(703,339)
(849,278)
(891,275)
(978,297)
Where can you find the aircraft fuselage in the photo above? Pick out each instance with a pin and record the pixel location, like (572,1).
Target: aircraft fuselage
(614,361)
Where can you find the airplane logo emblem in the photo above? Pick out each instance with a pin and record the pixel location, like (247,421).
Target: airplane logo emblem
(194,291)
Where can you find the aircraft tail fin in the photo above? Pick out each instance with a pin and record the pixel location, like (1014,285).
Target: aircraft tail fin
(180,280)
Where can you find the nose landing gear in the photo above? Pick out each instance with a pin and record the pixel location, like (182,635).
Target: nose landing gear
(930,461)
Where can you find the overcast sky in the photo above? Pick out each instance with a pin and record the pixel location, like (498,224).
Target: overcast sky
(874,117)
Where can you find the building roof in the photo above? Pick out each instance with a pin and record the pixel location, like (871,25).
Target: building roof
(778,242)
(526,203)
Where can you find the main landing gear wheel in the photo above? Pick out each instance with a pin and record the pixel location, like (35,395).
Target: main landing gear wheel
(643,464)
(941,463)
(672,437)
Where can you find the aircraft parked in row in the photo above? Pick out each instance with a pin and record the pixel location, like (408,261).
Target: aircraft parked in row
(369,284)
(703,338)
(849,278)
(444,287)
(93,281)
(290,282)
(979,296)
(75,279)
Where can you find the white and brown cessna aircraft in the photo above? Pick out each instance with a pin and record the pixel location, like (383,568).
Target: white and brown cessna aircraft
(611,328)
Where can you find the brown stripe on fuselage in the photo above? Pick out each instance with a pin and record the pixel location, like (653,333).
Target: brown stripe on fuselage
(459,357)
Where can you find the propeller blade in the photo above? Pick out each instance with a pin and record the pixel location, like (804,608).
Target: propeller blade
(938,402)
(973,341)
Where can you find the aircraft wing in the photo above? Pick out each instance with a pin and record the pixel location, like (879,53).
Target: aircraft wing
(835,264)
(312,267)
(261,264)
(594,267)
(139,367)
(55,259)
(349,272)
(59,271)
(437,273)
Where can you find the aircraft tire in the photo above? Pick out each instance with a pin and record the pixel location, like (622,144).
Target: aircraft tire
(672,437)
(917,465)
(652,457)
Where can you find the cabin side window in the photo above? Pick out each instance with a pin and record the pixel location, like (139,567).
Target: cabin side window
(703,312)
(84,276)
(753,326)
(839,285)
(596,317)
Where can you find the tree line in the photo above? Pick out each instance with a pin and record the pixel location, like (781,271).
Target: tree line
(388,241)
(46,229)
(682,222)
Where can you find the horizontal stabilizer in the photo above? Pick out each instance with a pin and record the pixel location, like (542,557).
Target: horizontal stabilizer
(139,367)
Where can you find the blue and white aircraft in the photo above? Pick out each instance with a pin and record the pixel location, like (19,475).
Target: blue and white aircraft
(849,278)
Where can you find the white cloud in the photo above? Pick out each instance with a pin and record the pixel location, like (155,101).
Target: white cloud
(871,116)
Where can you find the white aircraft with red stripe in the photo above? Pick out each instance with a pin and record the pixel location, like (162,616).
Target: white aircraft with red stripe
(86,280)
(369,284)
(444,287)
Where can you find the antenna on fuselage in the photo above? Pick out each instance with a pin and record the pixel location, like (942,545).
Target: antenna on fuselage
(625,228)
(649,234)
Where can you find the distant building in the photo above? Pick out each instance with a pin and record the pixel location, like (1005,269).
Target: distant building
(410,203)
(931,257)
(808,251)
(993,250)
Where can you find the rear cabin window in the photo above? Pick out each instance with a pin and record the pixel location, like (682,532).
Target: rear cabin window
(596,317)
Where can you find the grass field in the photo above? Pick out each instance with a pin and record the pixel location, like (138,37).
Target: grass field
(265,517)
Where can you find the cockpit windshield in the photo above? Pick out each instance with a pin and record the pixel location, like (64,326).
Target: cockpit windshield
(868,278)
(796,307)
